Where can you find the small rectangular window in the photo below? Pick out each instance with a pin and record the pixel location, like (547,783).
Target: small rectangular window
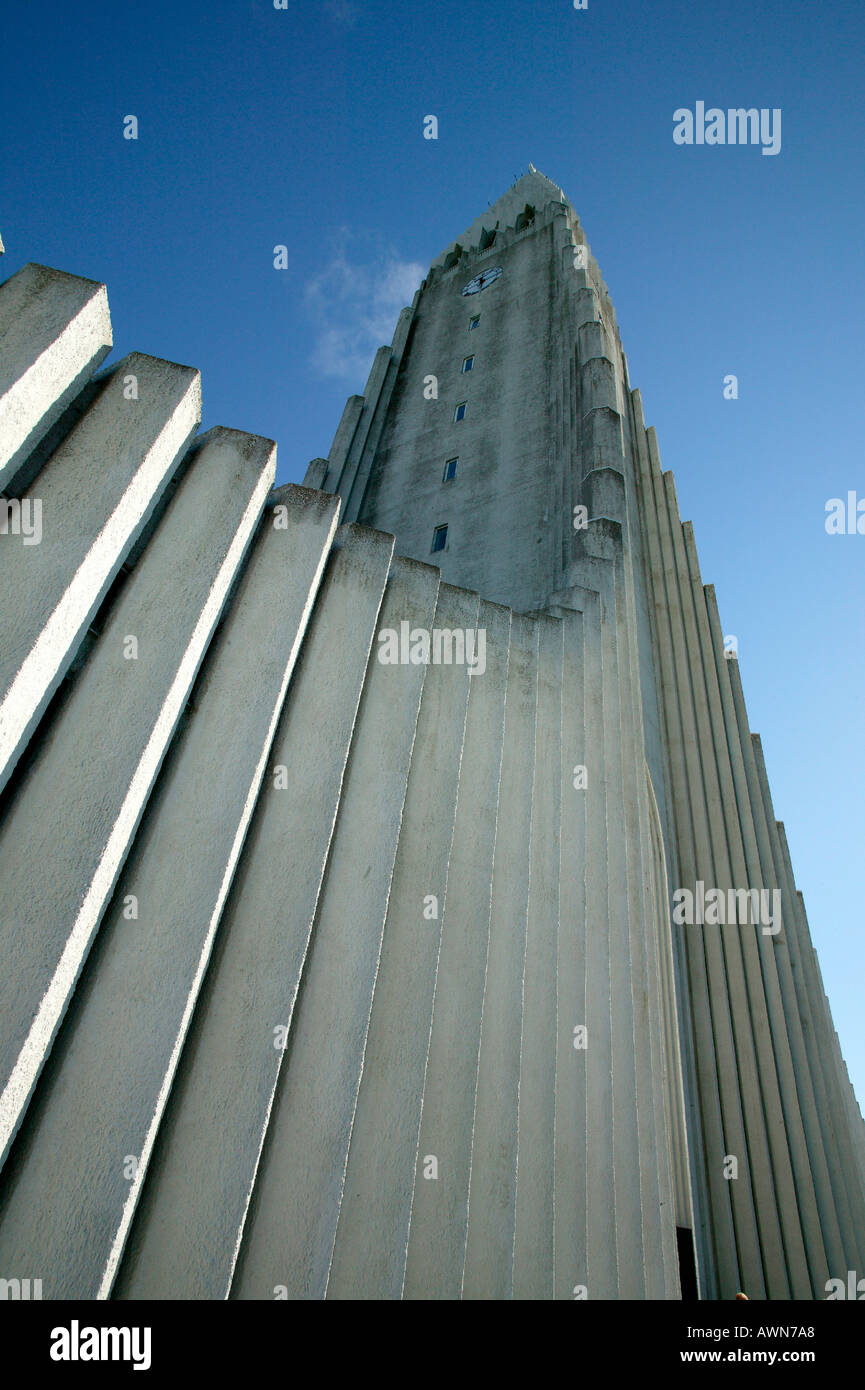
(440,536)
(473,323)
(460,411)
(450,470)
(468,363)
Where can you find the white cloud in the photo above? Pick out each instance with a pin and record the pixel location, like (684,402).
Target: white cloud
(354,308)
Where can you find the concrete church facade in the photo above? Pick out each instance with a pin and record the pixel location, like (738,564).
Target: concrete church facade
(403,993)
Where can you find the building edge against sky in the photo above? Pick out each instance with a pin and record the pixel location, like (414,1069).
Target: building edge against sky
(400,951)
(545,422)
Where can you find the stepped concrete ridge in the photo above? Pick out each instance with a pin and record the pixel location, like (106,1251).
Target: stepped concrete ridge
(329,973)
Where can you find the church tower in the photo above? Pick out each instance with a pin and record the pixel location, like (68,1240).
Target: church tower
(499,439)
(471,964)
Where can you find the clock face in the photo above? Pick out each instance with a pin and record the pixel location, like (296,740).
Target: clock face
(481,281)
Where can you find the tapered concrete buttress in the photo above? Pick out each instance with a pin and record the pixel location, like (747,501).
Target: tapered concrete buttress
(783,1206)
(601,1273)
(58,871)
(55,329)
(758,869)
(650,1155)
(95,493)
(185,1236)
(569,1212)
(481,1179)
(78,1164)
(334,968)
(534,1233)
(622,844)
(689,1141)
(715,1046)
(310,1122)
(724,954)
(716,1241)
(812,1003)
(436,1241)
(369,1250)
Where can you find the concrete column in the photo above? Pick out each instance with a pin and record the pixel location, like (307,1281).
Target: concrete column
(801,1120)
(651,1156)
(352,479)
(300,1177)
(851,1220)
(488,1239)
(437,1232)
(534,1262)
(601,1274)
(192,1212)
(690,1168)
(793,1201)
(96,493)
(570,1214)
(70,1195)
(55,329)
(372,1233)
(733,1233)
(342,440)
(620,847)
(102,760)
(316,474)
(728,991)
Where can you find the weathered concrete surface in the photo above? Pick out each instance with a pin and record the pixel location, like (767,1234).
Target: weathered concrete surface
(58,872)
(479,1215)
(55,329)
(534,1263)
(299,1186)
(369,1249)
(436,1239)
(193,1211)
(131,446)
(402,1011)
(80,1162)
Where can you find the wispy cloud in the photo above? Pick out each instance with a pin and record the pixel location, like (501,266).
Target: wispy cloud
(342,12)
(354,308)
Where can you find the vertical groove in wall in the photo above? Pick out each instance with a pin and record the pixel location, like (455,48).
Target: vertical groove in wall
(405,1013)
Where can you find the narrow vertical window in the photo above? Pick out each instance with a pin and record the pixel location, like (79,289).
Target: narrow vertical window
(460,411)
(468,363)
(450,470)
(440,536)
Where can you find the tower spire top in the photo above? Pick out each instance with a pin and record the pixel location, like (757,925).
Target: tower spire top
(532,187)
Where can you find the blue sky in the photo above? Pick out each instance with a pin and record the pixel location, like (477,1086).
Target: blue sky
(303,126)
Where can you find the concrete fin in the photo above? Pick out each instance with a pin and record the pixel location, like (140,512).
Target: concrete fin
(479,1217)
(289,1238)
(436,1240)
(99,1106)
(94,496)
(188,1227)
(55,329)
(106,753)
(372,1233)
(534,1234)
